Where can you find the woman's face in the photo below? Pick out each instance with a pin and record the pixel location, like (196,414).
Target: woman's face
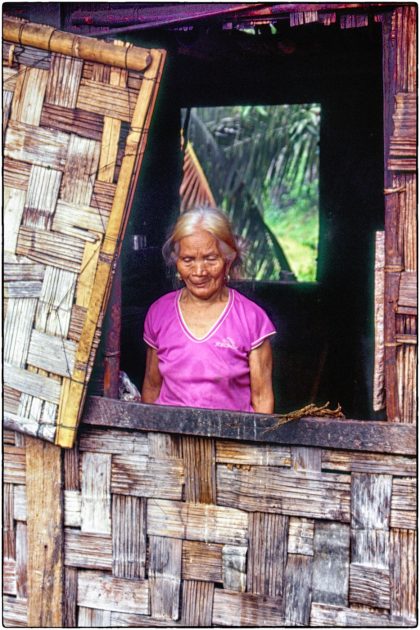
(201,264)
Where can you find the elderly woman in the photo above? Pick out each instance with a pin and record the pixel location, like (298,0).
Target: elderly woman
(208,345)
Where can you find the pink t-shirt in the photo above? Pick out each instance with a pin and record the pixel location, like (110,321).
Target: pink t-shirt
(212,372)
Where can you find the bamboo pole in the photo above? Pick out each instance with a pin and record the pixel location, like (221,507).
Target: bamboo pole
(81,47)
(69,413)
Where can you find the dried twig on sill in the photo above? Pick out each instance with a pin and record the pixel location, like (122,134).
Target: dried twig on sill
(309,410)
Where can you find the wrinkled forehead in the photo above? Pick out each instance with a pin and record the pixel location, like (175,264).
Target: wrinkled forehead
(200,242)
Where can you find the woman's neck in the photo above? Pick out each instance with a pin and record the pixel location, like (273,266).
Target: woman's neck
(220,296)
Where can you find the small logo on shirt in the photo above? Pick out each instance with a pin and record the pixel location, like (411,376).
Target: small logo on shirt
(227,342)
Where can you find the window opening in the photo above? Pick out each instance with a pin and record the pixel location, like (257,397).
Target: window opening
(261,165)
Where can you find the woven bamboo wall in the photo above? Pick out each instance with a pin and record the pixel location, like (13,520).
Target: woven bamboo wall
(74,133)
(166,530)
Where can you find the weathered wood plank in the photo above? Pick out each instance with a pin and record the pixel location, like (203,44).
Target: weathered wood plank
(115,442)
(283,491)
(72,508)
(330,581)
(164,576)
(50,248)
(43,188)
(94,618)
(36,145)
(63,80)
(52,354)
(7,105)
(146,477)
(21,560)
(197,603)
(19,503)
(15,612)
(197,521)
(23,271)
(128,536)
(80,170)
(85,124)
(45,536)
(15,174)
(267,553)
(18,326)
(301,536)
(70,599)
(14,465)
(121,620)
(79,220)
(31,383)
(229,452)
(9,539)
(107,100)
(370,501)
(29,94)
(404,494)
(30,425)
(14,203)
(369,586)
(115,594)
(163,446)
(304,458)
(87,551)
(9,78)
(11,399)
(297,590)
(200,470)
(103,195)
(325,615)
(96,493)
(22,289)
(9,576)
(234,567)
(370,547)
(246,609)
(403,573)
(351,461)
(357,435)
(404,519)
(201,561)
(55,303)
(26,55)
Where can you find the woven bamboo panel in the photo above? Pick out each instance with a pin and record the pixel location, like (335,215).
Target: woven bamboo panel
(74,119)
(134,556)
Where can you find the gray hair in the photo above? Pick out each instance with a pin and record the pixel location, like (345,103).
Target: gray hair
(214,221)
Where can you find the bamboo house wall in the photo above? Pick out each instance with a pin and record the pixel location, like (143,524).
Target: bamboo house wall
(184,517)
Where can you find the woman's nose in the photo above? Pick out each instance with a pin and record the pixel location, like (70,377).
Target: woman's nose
(200,268)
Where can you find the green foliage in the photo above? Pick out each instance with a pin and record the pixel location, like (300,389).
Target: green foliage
(262,166)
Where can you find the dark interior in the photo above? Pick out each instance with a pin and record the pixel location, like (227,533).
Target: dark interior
(324,347)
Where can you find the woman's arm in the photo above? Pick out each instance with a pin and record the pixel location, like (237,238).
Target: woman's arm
(152,378)
(261,367)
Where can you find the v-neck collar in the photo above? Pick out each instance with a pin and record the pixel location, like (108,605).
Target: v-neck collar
(214,327)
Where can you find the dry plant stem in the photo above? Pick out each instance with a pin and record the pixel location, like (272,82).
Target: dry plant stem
(308,410)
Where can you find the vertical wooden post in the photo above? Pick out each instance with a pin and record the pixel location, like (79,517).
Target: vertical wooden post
(112,333)
(45,533)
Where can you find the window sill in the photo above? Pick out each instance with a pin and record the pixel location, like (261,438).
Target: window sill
(358,435)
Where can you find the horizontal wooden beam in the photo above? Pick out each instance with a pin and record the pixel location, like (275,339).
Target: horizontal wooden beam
(356,435)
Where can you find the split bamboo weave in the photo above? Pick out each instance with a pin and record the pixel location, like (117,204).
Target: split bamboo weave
(75,121)
(174,530)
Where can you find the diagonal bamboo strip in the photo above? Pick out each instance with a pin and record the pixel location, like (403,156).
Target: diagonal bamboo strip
(87,48)
(74,389)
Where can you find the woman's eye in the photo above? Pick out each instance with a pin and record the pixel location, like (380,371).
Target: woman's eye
(211,258)
(186,260)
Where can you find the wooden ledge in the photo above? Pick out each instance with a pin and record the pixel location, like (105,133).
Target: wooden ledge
(355,435)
